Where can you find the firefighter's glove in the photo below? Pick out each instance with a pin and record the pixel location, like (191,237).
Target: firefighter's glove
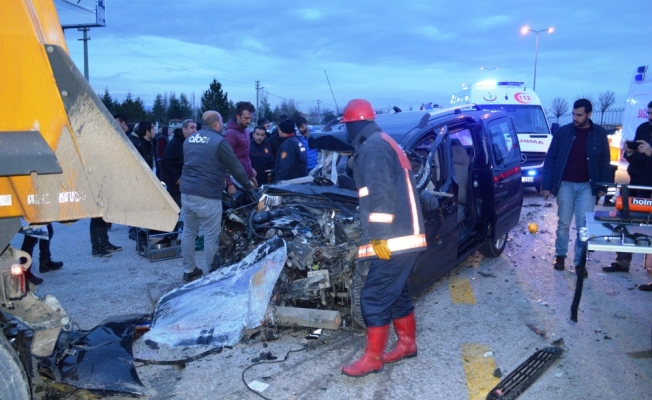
(381,249)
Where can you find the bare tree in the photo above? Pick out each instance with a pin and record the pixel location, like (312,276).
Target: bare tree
(558,107)
(605,100)
(589,97)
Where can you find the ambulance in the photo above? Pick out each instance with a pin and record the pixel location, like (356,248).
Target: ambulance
(638,97)
(529,117)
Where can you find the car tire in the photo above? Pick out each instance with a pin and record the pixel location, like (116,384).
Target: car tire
(493,247)
(359,278)
(13,380)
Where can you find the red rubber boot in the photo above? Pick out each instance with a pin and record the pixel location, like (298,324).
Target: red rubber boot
(372,359)
(406,347)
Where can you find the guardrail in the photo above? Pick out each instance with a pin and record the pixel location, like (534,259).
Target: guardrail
(610,119)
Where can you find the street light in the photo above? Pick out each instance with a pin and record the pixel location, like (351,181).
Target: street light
(524,31)
(488,69)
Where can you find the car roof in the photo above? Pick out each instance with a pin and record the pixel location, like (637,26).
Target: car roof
(399,125)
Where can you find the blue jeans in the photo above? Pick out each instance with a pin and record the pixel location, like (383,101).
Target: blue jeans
(573,198)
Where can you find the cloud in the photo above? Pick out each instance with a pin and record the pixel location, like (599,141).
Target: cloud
(434,33)
(310,14)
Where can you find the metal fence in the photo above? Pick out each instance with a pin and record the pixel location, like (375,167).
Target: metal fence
(610,119)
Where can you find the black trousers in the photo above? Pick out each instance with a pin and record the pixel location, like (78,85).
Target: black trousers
(99,233)
(29,243)
(384,296)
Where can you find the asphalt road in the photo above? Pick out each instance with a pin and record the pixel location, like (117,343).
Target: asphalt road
(484,315)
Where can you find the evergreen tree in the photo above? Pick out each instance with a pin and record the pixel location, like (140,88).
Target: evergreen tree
(133,108)
(231,112)
(185,106)
(265,110)
(174,109)
(108,101)
(215,99)
(158,110)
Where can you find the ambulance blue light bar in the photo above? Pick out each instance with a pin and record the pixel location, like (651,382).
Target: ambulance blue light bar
(510,83)
(641,69)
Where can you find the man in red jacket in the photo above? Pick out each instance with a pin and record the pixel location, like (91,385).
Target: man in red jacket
(238,137)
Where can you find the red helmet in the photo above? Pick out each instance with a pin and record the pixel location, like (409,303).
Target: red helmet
(358,110)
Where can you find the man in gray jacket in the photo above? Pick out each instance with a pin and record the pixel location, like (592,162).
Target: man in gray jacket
(208,159)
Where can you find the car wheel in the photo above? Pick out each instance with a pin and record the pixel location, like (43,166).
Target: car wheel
(13,380)
(359,278)
(493,247)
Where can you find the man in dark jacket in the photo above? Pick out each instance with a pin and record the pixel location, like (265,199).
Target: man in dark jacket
(208,159)
(578,159)
(172,161)
(274,139)
(393,234)
(291,156)
(238,137)
(261,157)
(146,133)
(640,173)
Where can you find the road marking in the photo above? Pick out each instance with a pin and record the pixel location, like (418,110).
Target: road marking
(461,292)
(479,370)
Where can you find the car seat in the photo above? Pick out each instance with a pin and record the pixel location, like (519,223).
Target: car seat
(461,163)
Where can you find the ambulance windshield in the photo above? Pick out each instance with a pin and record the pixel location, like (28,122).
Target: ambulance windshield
(527,119)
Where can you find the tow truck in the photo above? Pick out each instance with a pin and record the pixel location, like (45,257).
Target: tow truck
(529,118)
(62,158)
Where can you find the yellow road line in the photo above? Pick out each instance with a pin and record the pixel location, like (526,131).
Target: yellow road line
(461,292)
(479,370)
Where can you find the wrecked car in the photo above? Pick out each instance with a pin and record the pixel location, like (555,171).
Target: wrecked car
(466,162)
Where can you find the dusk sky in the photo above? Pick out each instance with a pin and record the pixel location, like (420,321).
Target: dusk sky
(401,53)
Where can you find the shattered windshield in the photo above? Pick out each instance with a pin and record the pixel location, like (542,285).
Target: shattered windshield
(527,119)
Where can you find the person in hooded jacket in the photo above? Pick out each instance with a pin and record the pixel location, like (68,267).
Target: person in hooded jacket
(393,234)
(237,136)
(160,141)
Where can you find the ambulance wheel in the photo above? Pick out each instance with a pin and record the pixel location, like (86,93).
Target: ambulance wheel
(493,247)
(13,380)
(359,278)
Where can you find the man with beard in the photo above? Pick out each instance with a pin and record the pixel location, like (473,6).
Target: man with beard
(237,136)
(578,158)
(393,234)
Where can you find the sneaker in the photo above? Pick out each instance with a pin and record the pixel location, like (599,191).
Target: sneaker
(49,266)
(586,272)
(100,253)
(559,263)
(111,247)
(615,267)
(191,276)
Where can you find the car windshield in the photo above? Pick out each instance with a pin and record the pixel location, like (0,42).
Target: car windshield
(527,119)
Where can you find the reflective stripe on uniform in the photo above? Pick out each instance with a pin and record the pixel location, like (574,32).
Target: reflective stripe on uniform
(362,192)
(381,217)
(395,244)
(413,203)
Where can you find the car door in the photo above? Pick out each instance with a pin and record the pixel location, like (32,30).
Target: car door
(506,173)
(440,222)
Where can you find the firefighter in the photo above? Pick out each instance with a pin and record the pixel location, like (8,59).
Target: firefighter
(392,235)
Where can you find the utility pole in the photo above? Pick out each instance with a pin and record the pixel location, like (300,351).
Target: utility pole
(318,112)
(258,87)
(85,40)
